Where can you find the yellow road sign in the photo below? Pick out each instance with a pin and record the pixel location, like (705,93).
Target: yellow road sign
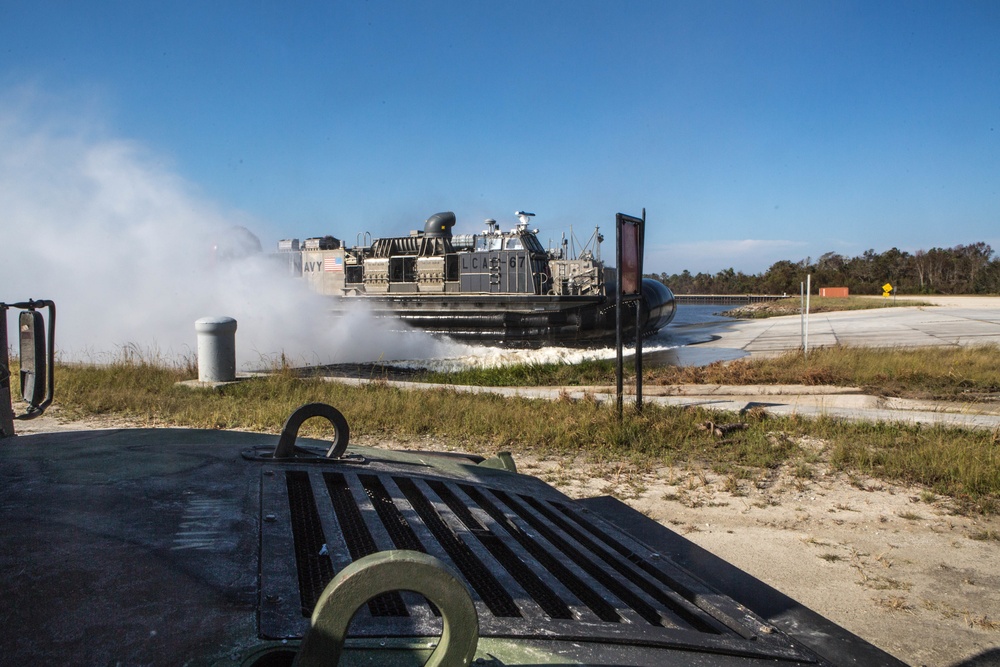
(887,287)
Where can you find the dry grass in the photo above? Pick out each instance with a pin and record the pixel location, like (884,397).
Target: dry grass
(818,304)
(985,535)
(966,373)
(894,603)
(961,465)
(982,622)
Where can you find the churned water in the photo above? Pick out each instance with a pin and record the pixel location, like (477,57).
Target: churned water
(692,324)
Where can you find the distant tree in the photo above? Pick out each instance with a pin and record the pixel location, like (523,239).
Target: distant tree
(783,277)
(920,266)
(972,259)
(969,269)
(988,280)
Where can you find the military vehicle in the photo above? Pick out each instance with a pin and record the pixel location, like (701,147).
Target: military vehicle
(496,286)
(205,547)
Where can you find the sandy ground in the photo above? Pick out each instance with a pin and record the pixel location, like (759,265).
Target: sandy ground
(977,302)
(895,565)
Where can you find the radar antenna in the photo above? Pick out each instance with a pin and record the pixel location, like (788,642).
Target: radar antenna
(524,218)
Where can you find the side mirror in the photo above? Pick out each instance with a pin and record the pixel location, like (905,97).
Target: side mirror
(31,334)
(37,361)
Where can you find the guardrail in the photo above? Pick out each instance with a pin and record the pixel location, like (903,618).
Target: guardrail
(723,299)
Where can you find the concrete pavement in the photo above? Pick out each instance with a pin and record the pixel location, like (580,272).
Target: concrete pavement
(838,402)
(951,321)
(956,321)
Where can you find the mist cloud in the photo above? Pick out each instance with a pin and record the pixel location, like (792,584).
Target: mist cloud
(124,246)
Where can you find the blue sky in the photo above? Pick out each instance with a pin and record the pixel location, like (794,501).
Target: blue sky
(750,131)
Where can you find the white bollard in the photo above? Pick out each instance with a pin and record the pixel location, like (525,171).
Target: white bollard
(216,349)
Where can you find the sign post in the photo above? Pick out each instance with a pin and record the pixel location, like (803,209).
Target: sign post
(630,234)
(802,315)
(805,345)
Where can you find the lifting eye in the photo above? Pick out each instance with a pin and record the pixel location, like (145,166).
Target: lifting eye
(382,572)
(290,431)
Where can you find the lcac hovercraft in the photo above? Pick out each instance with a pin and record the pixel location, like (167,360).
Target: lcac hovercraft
(496,286)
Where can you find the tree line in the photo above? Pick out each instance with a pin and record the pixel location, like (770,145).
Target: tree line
(963,269)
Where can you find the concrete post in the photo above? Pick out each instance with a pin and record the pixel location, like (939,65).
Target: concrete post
(216,349)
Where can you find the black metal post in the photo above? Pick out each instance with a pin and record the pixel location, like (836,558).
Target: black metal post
(636,226)
(638,330)
(618,312)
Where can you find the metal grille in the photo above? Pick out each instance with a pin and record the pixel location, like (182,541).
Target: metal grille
(668,598)
(535,587)
(535,564)
(478,576)
(399,531)
(606,579)
(601,607)
(359,541)
(315,570)
(703,600)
